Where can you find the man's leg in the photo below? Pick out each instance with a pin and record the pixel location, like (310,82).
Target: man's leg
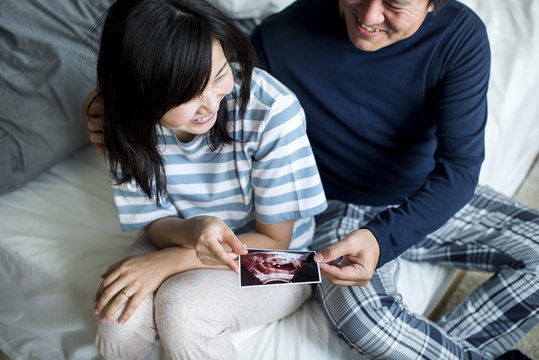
(492,233)
(373,319)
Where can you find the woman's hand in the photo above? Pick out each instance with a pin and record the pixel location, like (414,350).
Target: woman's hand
(130,281)
(215,243)
(92,119)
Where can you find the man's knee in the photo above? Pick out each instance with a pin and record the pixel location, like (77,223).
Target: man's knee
(356,312)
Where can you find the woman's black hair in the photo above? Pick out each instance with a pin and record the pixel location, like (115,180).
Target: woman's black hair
(156,55)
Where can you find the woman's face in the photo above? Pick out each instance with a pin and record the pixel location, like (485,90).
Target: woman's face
(198,115)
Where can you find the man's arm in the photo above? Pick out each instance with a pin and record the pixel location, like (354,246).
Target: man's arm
(92,119)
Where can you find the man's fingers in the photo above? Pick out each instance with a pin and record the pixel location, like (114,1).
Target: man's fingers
(100,149)
(348,272)
(95,122)
(96,137)
(332,252)
(344,276)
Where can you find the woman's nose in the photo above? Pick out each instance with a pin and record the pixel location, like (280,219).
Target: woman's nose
(211,101)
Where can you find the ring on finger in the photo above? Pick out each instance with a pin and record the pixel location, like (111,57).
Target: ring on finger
(125,294)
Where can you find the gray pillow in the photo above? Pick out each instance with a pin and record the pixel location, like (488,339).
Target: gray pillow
(47,66)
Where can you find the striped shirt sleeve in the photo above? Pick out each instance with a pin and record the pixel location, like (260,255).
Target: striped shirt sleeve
(284,176)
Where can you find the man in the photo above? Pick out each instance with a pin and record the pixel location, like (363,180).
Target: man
(395,97)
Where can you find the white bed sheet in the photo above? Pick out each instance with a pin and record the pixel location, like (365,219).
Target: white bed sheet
(61,231)
(512,134)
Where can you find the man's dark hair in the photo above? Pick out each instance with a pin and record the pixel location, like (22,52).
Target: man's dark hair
(156,55)
(437,4)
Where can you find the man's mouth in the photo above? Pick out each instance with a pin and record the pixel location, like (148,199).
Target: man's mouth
(367,27)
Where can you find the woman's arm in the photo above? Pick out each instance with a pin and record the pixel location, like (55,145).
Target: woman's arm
(138,276)
(214,242)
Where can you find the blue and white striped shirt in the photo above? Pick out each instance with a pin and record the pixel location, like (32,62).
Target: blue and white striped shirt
(269,175)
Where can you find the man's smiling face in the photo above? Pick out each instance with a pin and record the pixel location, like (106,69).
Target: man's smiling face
(374,24)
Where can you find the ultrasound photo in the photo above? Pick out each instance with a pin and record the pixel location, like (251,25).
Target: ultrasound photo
(278,267)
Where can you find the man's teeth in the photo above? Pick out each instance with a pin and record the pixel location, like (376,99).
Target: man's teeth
(368,28)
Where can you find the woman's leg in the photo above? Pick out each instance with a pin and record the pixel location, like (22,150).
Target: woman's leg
(134,339)
(196,311)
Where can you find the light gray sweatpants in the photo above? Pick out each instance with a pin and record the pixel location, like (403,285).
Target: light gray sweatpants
(193,314)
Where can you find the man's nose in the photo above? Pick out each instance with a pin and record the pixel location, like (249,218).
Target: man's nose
(373,12)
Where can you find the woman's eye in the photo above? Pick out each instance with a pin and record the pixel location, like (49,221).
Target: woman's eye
(221,77)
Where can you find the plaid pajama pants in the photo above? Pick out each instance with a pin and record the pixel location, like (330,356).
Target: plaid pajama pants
(491,233)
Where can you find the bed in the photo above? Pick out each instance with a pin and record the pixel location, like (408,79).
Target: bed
(58,224)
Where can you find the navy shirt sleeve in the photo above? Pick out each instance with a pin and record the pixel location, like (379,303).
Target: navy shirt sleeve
(459,106)
(401,126)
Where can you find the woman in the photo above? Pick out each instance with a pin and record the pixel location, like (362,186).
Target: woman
(208,156)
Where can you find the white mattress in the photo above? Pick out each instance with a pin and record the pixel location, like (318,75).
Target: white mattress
(59,232)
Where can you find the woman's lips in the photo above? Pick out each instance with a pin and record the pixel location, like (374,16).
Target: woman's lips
(203,120)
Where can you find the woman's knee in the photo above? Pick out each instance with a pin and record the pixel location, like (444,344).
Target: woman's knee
(184,305)
(132,340)
(193,319)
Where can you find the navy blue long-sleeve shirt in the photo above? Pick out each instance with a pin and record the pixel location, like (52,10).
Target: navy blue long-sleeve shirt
(403,125)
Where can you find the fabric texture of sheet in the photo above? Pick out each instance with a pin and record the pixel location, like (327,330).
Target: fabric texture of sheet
(60,231)
(47,63)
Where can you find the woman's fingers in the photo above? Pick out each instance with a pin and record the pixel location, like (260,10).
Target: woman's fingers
(121,298)
(235,244)
(106,296)
(218,256)
(131,305)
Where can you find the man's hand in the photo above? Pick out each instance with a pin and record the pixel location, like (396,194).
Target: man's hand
(360,253)
(92,119)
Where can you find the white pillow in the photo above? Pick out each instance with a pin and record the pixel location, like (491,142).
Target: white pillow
(251,9)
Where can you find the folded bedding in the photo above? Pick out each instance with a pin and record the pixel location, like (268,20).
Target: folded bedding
(59,229)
